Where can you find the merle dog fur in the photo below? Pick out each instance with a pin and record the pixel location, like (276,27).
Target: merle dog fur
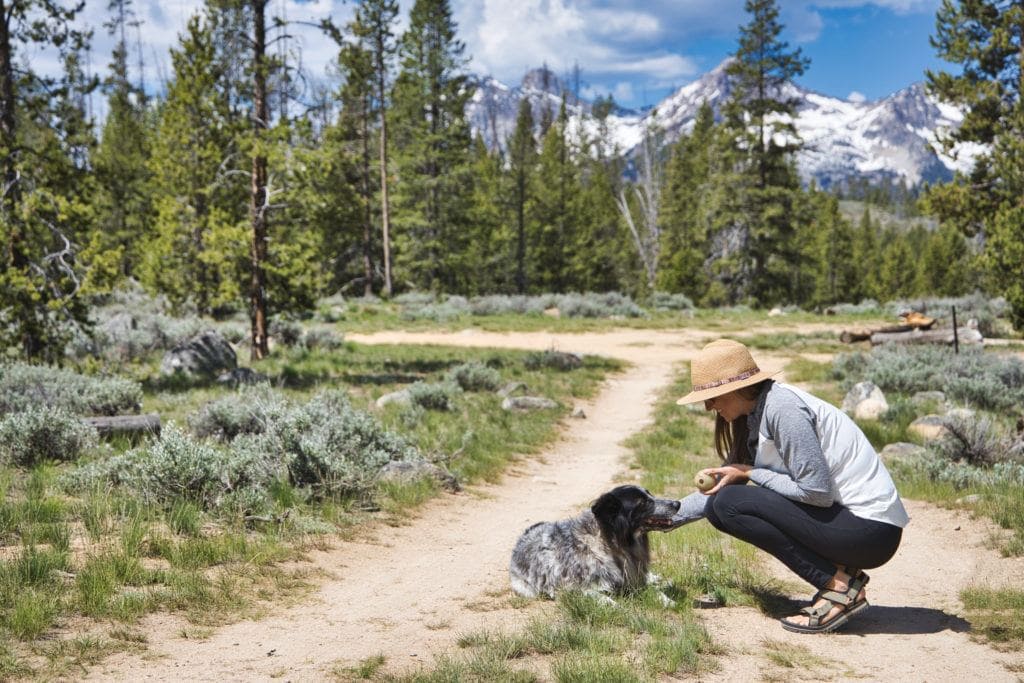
(604,549)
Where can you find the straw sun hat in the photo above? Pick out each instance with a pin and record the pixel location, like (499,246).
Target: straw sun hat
(720,367)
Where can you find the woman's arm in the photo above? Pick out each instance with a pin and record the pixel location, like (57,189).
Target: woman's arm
(691,509)
(791,424)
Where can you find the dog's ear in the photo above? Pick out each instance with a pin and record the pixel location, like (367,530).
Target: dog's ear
(606,508)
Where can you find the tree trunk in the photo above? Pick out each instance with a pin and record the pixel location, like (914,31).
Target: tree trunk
(521,231)
(385,213)
(259,204)
(368,210)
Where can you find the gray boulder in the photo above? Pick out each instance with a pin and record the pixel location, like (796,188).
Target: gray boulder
(928,427)
(205,355)
(525,403)
(865,401)
(401,397)
(407,472)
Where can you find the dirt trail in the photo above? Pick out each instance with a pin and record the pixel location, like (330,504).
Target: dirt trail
(410,592)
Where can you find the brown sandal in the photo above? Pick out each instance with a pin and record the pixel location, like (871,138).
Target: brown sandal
(850,602)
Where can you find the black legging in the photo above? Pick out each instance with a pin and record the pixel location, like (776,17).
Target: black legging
(810,540)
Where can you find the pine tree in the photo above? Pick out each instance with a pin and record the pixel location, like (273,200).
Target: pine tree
(898,274)
(833,249)
(602,258)
(198,249)
(44,134)
(986,37)
(489,256)
(759,114)
(432,149)
(555,210)
(686,230)
(353,134)
(522,158)
(123,205)
(868,259)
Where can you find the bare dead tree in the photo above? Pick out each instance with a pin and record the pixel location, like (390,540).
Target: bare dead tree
(647,190)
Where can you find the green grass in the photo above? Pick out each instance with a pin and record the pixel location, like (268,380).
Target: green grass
(635,639)
(996,615)
(214,568)
(793,342)
(802,370)
(365,318)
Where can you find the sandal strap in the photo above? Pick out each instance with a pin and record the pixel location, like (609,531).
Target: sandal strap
(836,598)
(816,614)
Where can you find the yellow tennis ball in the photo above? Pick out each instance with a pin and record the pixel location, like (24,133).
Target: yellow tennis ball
(705,482)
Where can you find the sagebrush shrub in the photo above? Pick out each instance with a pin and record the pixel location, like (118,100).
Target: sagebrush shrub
(331,447)
(556,360)
(986,380)
(178,466)
(130,324)
(434,395)
(41,433)
(474,376)
(250,410)
(23,386)
(503,304)
(594,305)
(325,446)
(450,309)
(865,306)
(320,338)
(286,332)
(663,301)
(977,441)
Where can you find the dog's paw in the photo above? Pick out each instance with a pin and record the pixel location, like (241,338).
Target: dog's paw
(600,597)
(666,602)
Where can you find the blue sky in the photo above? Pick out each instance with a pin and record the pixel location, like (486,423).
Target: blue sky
(638,51)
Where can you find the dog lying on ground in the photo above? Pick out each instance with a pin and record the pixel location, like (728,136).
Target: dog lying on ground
(603,550)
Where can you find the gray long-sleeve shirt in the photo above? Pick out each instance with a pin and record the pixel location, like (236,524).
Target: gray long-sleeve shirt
(787,421)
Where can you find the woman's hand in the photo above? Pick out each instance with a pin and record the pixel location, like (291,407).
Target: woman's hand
(729,474)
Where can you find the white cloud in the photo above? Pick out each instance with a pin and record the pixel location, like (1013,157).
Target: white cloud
(650,43)
(856,97)
(623,91)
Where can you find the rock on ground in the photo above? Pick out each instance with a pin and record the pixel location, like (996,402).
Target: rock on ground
(527,403)
(204,355)
(865,401)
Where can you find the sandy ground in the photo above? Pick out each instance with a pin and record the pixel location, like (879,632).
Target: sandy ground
(409,592)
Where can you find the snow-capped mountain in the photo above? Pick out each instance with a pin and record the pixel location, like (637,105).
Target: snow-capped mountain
(887,139)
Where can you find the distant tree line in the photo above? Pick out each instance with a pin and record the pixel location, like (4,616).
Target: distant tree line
(224,192)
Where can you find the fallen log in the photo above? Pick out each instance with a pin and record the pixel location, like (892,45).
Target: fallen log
(133,426)
(857,334)
(967,335)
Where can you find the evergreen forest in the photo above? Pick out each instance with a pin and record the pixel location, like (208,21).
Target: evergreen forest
(237,186)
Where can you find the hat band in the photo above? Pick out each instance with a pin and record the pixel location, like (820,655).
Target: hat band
(727,380)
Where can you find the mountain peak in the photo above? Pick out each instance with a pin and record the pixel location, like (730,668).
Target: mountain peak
(886,139)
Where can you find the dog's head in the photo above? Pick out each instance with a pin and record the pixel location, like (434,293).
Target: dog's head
(630,510)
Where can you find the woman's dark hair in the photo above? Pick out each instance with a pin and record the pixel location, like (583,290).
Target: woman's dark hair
(731,437)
